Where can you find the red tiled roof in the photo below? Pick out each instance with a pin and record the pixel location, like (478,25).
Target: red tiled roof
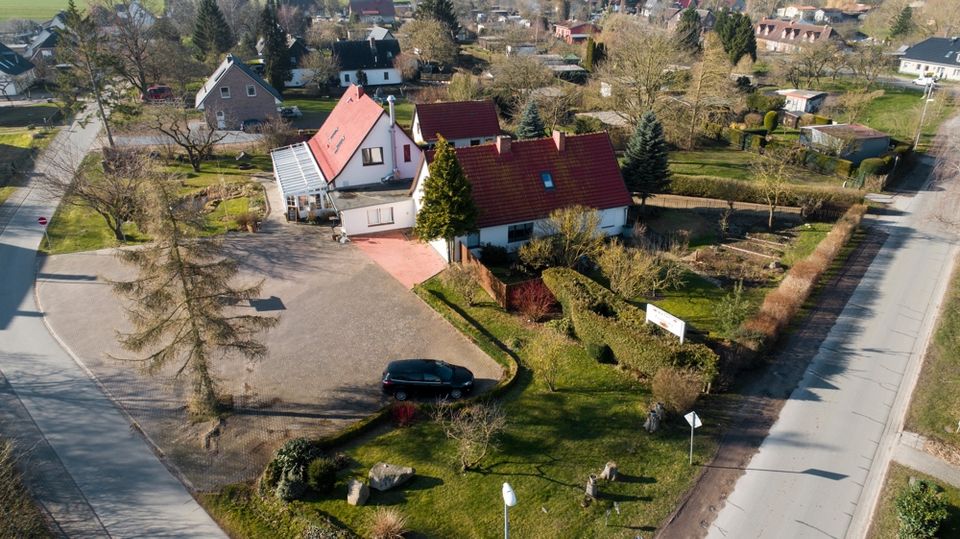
(792,32)
(458,119)
(383,8)
(343,131)
(508,188)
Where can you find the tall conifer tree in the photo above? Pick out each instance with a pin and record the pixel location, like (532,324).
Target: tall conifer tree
(211,34)
(645,169)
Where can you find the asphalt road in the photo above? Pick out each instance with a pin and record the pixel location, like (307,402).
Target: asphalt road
(818,472)
(129,491)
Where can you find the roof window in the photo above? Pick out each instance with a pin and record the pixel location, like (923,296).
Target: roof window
(547,180)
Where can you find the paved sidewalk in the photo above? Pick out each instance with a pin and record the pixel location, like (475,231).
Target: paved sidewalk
(910,453)
(95,466)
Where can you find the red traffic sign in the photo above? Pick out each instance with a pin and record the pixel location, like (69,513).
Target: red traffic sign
(42,221)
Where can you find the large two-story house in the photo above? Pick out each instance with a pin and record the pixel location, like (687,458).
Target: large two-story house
(234,94)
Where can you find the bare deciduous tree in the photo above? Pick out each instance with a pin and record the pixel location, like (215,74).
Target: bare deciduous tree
(130,41)
(178,302)
(711,90)
(197,139)
(110,191)
(516,77)
(639,67)
(473,428)
(771,174)
(567,237)
(431,40)
(867,61)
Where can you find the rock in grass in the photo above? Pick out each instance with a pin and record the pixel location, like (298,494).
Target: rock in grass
(357,492)
(384,476)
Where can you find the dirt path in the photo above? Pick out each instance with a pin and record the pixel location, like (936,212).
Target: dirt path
(762,395)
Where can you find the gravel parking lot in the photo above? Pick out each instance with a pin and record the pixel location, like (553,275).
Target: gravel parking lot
(343,318)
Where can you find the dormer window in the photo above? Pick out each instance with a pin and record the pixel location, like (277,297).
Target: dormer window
(547,179)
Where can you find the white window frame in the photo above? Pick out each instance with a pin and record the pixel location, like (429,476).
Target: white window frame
(380,216)
(224,95)
(367,154)
(251,90)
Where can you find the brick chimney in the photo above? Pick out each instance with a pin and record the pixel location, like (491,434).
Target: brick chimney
(560,140)
(359,90)
(503,145)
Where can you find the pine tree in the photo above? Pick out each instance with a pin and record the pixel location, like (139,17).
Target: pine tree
(276,58)
(531,125)
(645,169)
(441,10)
(903,23)
(589,55)
(688,30)
(211,34)
(737,35)
(447,209)
(179,298)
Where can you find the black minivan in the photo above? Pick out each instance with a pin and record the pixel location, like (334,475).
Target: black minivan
(406,377)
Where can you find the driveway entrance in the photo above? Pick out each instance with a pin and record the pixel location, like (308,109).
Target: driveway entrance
(402,256)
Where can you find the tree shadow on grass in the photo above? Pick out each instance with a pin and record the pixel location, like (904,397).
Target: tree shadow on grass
(639,479)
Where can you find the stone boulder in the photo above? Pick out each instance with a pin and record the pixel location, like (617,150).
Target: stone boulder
(385,476)
(357,492)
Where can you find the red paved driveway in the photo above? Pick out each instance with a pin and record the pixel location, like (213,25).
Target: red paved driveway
(405,258)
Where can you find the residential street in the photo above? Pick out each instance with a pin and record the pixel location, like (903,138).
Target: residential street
(819,471)
(92,472)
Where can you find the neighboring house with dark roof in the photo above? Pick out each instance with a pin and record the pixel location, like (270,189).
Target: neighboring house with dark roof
(297,49)
(788,36)
(235,93)
(16,72)
(43,46)
(359,165)
(380,33)
(573,32)
(853,142)
(707,19)
(517,184)
(462,123)
(934,56)
(373,11)
(374,58)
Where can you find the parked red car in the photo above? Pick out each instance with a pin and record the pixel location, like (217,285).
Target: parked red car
(158,93)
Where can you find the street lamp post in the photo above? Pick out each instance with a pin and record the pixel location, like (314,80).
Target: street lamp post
(509,500)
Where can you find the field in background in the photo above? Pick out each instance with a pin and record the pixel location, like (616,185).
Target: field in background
(41,10)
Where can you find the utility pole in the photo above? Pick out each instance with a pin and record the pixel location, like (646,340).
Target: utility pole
(927,98)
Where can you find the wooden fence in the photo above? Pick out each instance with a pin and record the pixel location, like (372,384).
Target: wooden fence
(504,294)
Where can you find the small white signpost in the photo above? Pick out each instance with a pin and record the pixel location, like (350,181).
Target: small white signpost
(666,320)
(694,420)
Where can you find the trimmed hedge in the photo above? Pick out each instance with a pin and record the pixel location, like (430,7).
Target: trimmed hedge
(745,191)
(607,324)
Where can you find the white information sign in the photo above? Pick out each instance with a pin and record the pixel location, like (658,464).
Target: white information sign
(693,420)
(666,320)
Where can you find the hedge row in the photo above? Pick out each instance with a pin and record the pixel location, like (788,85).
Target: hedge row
(605,322)
(784,302)
(745,191)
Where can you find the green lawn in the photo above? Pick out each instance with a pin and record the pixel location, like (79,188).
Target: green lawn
(40,10)
(74,228)
(552,443)
(733,164)
(936,402)
(885,523)
(23,130)
(897,112)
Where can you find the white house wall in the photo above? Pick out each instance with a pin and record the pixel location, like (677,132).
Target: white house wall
(354,221)
(356,175)
(943,71)
(375,77)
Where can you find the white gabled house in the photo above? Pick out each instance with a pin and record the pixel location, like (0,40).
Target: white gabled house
(359,165)
(462,123)
(517,184)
